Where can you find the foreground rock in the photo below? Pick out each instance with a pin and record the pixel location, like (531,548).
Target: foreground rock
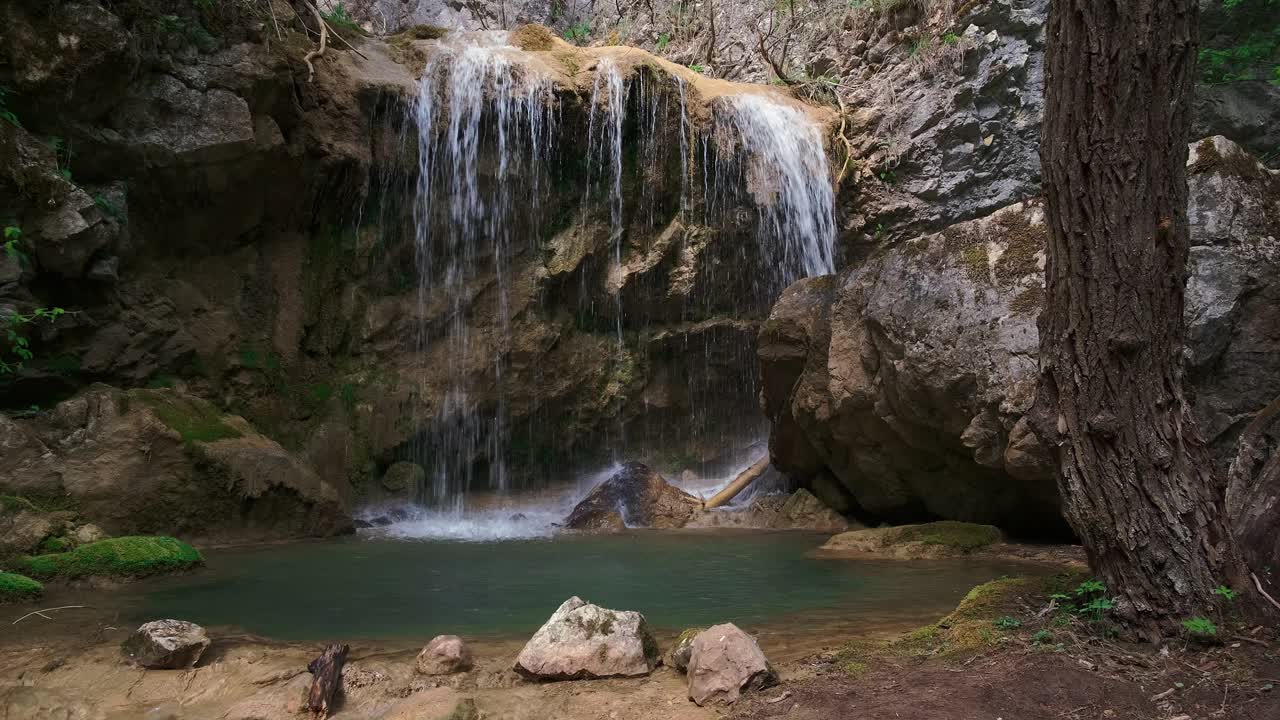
(444,655)
(908,379)
(166,645)
(639,497)
(724,663)
(584,641)
(946,538)
(683,649)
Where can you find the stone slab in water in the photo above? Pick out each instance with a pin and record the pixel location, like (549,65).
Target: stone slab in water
(582,641)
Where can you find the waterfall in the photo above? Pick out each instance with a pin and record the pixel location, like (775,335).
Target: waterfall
(490,152)
(782,164)
(465,220)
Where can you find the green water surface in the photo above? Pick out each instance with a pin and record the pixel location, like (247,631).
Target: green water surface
(367,588)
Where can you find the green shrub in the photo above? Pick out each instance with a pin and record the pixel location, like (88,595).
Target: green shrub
(18,588)
(122,557)
(1200,627)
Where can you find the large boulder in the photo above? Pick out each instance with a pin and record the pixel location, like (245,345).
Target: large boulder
(162,462)
(583,641)
(908,378)
(724,663)
(639,497)
(166,645)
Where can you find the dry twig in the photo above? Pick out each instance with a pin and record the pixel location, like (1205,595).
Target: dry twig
(41,613)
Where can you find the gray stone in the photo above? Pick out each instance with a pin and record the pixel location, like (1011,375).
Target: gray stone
(444,655)
(726,662)
(166,645)
(583,641)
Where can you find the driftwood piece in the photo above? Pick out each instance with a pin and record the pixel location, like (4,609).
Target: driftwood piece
(327,681)
(739,484)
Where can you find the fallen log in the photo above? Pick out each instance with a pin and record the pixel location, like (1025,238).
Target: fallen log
(327,682)
(740,483)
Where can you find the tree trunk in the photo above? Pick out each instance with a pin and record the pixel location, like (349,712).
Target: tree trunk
(1136,479)
(1253,496)
(327,680)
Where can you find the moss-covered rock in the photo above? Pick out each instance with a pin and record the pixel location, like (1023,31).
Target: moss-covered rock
(987,616)
(120,558)
(936,539)
(18,588)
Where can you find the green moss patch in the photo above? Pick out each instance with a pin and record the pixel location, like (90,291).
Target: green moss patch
(985,618)
(195,420)
(123,557)
(18,588)
(14,503)
(950,533)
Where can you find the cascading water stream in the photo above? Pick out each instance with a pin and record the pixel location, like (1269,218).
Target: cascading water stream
(487,139)
(473,106)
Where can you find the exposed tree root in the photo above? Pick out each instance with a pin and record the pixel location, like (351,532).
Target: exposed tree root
(324,42)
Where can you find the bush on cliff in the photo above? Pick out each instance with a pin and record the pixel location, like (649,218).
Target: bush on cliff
(123,557)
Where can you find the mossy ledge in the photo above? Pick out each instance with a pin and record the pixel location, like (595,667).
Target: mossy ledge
(118,558)
(18,588)
(970,629)
(935,539)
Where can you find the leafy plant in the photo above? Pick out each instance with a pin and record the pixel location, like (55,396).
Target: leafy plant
(663,39)
(1042,637)
(341,17)
(12,236)
(1241,42)
(698,68)
(1091,586)
(62,156)
(19,345)
(1225,593)
(577,32)
(950,39)
(5,113)
(1007,623)
(1200,627)
(1096,609)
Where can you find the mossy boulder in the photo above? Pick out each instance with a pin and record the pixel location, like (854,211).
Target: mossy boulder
(944,538)
(18,588)
(118,558)
(980,621)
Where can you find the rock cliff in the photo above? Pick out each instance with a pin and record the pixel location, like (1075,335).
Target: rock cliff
(908,377)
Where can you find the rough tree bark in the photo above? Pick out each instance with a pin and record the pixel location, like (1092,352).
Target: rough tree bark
(1136,479)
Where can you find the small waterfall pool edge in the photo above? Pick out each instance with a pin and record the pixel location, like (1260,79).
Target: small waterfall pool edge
(391,590)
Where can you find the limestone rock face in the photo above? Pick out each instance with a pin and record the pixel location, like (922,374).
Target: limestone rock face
(163,462)
(726,662)
(584,641)
(639,496)
(444,655)
(908,377)
(166,645)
